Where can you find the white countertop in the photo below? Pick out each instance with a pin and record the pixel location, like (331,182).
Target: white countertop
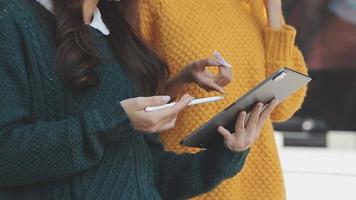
(319,173)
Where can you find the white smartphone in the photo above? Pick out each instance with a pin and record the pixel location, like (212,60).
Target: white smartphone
(194,102)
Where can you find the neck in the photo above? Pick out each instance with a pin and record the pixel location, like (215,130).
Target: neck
(89,7)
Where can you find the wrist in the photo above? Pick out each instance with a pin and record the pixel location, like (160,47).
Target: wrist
(176,85)
(181,78)
(275,14)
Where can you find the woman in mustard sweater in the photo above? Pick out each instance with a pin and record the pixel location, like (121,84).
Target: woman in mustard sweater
(253,38)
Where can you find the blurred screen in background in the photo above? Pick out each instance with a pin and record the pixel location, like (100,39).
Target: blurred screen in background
(327,38)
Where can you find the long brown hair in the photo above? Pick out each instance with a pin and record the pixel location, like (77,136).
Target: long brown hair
(76,56)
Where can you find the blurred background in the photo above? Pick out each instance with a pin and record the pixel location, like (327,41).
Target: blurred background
(318,145)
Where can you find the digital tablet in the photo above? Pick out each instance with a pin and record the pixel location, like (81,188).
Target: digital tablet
(279,85)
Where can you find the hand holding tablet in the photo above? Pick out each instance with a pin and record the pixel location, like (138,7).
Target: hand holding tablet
(278,86)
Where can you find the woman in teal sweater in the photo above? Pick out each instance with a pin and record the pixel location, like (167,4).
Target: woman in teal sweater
(70,125)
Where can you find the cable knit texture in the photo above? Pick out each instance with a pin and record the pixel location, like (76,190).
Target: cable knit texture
(188,30)
(56,143)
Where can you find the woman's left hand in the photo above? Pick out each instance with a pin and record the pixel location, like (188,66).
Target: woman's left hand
(245,135)
(275,13)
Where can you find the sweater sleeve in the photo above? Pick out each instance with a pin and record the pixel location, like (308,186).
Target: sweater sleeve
(148,14)
(281,52)
(35,151)
(187,175)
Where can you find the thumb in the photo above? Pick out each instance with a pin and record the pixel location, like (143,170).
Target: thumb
(141,103)
(183,102)
(178,107)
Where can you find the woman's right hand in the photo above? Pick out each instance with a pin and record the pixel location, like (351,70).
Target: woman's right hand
(156,121)
(197,72)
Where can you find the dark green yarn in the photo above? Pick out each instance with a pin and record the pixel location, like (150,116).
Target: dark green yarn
(60,144)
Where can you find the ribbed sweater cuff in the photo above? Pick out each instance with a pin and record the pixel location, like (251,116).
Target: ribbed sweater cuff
(117,123)
(229,162)
(279,44)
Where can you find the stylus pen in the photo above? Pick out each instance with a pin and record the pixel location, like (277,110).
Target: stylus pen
(194,102)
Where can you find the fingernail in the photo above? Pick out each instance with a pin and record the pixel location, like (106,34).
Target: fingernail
(166,98)
(243,113)
(260,104)
(185,96)
(191,98)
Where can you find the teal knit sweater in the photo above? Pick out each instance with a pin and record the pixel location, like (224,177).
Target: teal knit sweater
(56,143)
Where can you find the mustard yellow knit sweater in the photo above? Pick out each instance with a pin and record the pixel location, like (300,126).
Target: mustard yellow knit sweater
(187,30)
